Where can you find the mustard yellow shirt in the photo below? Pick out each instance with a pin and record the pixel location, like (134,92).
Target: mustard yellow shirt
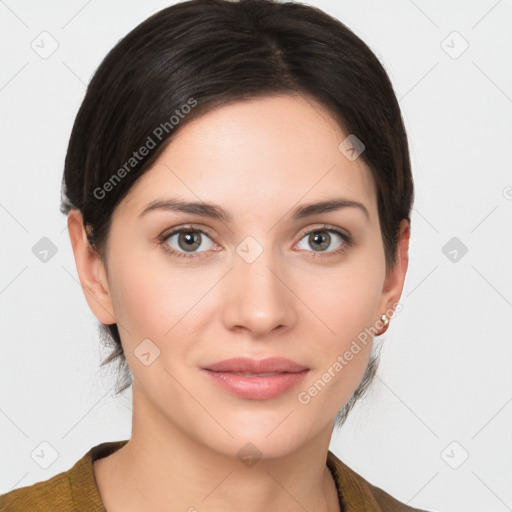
(75,490)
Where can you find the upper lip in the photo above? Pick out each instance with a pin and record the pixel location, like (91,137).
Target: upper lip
(246,364)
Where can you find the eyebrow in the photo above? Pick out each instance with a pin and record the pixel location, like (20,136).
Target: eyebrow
(214,211)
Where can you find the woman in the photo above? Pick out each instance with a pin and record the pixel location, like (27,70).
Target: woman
(238,192)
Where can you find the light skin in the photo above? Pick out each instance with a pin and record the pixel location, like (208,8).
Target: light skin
(259,160)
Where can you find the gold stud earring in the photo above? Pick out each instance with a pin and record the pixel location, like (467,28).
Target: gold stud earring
(385,320)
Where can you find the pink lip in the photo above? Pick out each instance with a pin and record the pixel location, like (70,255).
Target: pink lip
(246,364)
(227,374)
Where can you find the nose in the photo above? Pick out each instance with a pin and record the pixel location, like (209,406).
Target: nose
(257,297)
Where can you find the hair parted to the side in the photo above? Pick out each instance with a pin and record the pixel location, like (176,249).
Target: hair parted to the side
(215,52)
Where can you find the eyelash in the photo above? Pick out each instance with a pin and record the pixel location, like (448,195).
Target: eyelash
(348,242)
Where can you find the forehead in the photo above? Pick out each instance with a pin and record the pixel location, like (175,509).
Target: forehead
(280,149)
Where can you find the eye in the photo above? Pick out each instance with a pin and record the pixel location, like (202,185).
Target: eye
(323,238)
(185,241)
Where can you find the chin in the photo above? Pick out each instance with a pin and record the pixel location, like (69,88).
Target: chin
(262,434)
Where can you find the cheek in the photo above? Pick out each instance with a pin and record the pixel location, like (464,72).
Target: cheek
(342,357)
(346,298)
(150,294)
(345,302)
(151,302)
(161,301)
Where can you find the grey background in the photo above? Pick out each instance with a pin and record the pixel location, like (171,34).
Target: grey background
(444,390)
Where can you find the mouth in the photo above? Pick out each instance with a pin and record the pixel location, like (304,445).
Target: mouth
(256,379)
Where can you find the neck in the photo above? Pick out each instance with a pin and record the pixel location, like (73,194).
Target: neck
(161,469)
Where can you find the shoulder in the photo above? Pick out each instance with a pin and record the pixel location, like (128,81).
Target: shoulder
(42,496)
(71,490)
(389,504)
(359,494)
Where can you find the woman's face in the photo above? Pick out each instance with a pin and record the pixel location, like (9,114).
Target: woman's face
(260,282)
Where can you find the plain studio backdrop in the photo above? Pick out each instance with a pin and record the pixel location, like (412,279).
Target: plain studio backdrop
(435,429)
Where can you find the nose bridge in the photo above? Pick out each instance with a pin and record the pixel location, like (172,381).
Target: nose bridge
(259,301)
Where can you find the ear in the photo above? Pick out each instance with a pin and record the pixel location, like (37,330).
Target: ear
(91,270)
(394,282)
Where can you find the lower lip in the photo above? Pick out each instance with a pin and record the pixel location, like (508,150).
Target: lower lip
(256,388)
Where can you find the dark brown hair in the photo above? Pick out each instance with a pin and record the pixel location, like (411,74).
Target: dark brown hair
(194,56)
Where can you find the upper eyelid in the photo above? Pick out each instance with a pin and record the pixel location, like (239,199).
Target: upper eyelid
(174,231)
